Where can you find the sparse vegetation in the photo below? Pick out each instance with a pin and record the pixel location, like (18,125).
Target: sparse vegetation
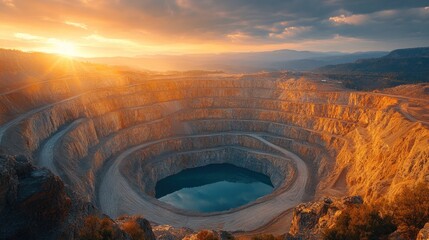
(134,230)
(361,222)
(97,229)
(411,208)
(266,237)
(226,235)
(206,235)
(409,211)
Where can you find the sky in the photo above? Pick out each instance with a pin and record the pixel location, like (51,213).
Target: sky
(103,28)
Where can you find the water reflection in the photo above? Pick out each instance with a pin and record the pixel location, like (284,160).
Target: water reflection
(215,187)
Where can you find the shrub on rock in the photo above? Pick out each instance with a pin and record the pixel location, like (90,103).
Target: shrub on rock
(266,237)
(206,235)
(96,228)
(136,227)
(411,208)
(361,222)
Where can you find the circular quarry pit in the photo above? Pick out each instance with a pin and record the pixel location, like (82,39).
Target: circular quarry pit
(113,141)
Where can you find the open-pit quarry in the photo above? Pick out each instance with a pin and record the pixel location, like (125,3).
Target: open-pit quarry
(112,138)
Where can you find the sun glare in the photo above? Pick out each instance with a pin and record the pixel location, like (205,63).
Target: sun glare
(65,48)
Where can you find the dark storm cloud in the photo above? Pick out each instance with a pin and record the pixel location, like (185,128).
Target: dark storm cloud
(254,18)
(279,20)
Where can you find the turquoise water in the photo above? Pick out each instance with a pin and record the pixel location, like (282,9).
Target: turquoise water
(213,188)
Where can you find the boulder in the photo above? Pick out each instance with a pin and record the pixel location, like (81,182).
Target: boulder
(424,233)
(167,232)
(311,219)
(33,202)
(143,226)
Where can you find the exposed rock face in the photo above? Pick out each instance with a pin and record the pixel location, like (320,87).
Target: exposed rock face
(142,224)
(424,233)
(311,219)
(150,164)
(209,234)
(145,226)
(111,140)
(166,232)
(402,233)
(33,201)
(35,205)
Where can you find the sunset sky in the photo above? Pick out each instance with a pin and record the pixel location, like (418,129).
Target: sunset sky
(94,28)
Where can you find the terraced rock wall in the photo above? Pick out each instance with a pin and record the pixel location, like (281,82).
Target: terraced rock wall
(112,141)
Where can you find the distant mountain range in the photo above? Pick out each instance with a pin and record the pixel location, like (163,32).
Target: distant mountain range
(316,62)
(361,70)
(400,66)
(239,62)
(401,60)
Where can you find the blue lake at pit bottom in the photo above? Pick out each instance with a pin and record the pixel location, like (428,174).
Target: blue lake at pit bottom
(213,188)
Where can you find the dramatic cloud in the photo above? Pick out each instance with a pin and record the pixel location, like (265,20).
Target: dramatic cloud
(131,27)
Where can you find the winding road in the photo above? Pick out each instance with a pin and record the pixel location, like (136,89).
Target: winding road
(46,156)
(17,120)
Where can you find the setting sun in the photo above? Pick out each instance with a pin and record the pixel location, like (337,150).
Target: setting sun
(64,48)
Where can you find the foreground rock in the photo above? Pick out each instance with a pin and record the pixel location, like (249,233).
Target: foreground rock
(424,233)
(137,227)
(167,232)
(35,204)
(311,219)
